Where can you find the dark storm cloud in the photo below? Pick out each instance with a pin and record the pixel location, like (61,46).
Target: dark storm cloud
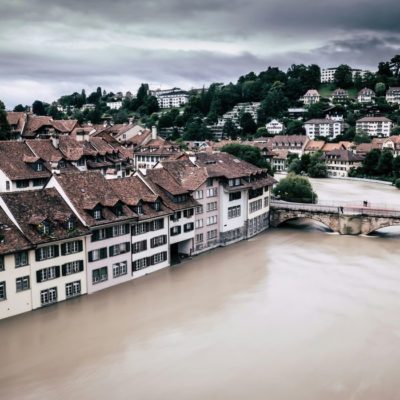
(61,45)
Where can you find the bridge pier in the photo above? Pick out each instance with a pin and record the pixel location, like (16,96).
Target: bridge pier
(350,224)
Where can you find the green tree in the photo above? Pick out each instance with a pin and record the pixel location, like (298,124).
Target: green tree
(343,77)
(295,188)
(316,110)
(5,129)
(229,129)
(396,167)
(19,108)
(38,108)
(295,166)
(274,105)
(361,137)
(380,88)
(395,65)
(370,163)
(397,183)
(385,165)
(295,127)
(247,153)
(247,124)
(197,130)
(317,166)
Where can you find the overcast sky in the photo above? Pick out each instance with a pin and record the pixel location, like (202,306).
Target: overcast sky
(54,47)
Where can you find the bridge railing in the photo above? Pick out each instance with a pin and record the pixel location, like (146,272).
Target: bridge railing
(347,207)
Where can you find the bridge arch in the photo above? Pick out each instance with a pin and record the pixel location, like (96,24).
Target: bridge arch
(324,219)
(377,225)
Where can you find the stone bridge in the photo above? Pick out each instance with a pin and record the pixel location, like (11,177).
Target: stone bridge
(344,218)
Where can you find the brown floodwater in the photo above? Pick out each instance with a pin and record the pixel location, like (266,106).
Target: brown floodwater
(295,313)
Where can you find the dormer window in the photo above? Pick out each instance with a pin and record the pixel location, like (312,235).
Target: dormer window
(61,164)
(37,166)
(118,210)
(138,209)
(97,213)
(44,228)
(71,224)
(157,206)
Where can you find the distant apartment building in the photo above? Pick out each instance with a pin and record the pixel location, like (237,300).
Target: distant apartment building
(366,96)
(238,110)
(171,98)
(311,97)
(328,74)
(114,105)
(339,162)
(274,127)
(375,126)
(295,144)
(324,127)
(393,95)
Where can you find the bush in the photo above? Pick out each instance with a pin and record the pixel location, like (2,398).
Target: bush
(295,188)
(397,183)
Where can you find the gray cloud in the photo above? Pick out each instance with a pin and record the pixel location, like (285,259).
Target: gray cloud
(54,46)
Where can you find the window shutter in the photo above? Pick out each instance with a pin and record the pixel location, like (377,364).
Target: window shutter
(165,239)
(127,246)
(103,252)
(95,236)
(111,251)
(149,261)
(56,250)
(164,255)
(37,254)
(152,260)
(81,265)
(63,249)
(109,232)
(145,245)
(126,228)
(133,230)
(152,242)
(64,270)
(57,271)
(39,276)
(90,256)
(80,245)
(161,223)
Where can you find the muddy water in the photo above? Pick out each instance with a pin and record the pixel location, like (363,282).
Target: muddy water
(296,313)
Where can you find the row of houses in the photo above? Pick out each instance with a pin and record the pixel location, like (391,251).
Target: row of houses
(83,233)
(364,96)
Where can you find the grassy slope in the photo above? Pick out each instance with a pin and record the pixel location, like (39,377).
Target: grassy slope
(325,90)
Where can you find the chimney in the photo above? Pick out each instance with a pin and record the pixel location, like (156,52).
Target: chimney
(153,133)
(130,120)
(105,124)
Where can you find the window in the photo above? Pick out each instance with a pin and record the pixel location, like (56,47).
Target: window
(21,259)
(8,185)
(2,263)
(44,228)
(98,254)
(255,193)
(157,206)
(97,213)
(47,274)
(235,196)
(39,182)
(73,289)
(234,182)
(72,267)
(181,198)
(188,227)
(188,213)
(120,248)
(120,269)
(71,224)
(22,283)
(3,294)
(212,206)
(233,212)
(199,223)
(138,209)
(22,184)
(44,253)
(176,216)
(198,194)
(159,257)
(48,296)
(266,201)
(140,264)
(120,230)
(212,234)
(199,237)
(118,211)
(212,192)
(157,224)
(99,275)
(99,234)
(199,210)
(71,247)
(175,230)
(209,182)
(81,162)
(158,241)
(139,246)
(212,220)
(255,205)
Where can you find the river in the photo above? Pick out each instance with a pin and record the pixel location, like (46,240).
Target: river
(295,313)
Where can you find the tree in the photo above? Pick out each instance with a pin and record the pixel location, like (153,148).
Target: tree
(395,65)
(295,166)
(121,116)
(396,167)
(19,108)
(247,124)
(38,108)
(295,127)
(197,130)
(343,77)
(396,130)
(5,129)
(247,153)
(295,188)
(229,129)
(317,167)
(370,163)
(316,110)
(397,183)
(274,105)
(385,165)
(362,137)
(380,88)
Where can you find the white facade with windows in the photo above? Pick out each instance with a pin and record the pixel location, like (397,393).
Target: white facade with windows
(274,127)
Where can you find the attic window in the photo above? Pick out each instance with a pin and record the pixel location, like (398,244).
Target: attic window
(157,206)
(97,214)
(71,224)
(44,228)
(118,210)
(38,166)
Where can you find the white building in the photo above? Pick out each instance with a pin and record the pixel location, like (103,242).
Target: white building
(375,126)
(393,95)
(328,74)
(114,105)
(329,128)
(366,95)
(172,98)
(311,97)
(274,127)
